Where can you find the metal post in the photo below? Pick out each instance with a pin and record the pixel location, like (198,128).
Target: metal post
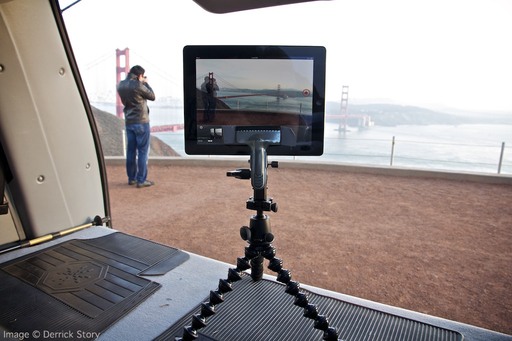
(392,151)
(501,156)
(343,109)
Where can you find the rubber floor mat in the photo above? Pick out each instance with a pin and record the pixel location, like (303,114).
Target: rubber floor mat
(80,287)
(256,311)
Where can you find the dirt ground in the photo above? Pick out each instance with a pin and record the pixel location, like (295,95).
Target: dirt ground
(436,246)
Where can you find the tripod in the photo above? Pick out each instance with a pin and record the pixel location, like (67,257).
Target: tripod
(259,237)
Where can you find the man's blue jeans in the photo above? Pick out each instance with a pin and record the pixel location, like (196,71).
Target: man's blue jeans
(137,151)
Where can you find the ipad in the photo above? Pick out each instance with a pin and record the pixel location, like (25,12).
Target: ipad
(233,94)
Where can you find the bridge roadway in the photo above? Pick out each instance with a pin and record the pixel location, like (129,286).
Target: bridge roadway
(167,127)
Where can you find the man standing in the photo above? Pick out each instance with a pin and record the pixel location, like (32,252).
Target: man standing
(209,90)
(134,92)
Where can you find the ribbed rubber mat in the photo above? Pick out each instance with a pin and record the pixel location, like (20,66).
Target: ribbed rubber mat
(145,257)
(263,311)
(79,285)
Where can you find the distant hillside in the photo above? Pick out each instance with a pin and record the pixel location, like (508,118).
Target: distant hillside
(110,129)
(392,114)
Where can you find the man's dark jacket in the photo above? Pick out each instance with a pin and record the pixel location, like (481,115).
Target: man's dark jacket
(134,95)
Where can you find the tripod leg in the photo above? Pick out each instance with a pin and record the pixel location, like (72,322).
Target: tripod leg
(190,332)
(293,288)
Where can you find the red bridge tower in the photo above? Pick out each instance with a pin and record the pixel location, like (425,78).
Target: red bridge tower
(121,73)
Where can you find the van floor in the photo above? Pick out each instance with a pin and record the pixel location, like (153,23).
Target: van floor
(436,246)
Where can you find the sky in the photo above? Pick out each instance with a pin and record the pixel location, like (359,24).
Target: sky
(440,54)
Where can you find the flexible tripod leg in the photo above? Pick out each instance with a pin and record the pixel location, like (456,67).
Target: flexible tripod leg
(256,252)
(190,332)
(301,299)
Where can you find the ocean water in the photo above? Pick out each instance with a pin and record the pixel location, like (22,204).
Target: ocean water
(468,147)
(465,148)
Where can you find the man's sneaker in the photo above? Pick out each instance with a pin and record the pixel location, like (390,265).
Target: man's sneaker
(146,183)
(132,182)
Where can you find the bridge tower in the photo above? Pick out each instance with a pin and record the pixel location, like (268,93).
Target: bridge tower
(344,106)
(121,73)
